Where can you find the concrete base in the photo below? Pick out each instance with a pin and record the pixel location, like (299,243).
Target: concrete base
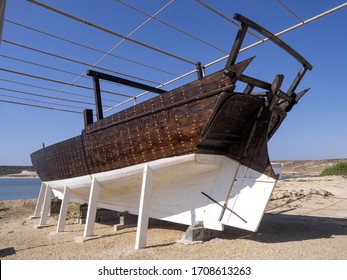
(82,214)
(120,227)
(41,226)
(122,224)
(81,239)
(34,217)
(195,234)
(81,221)
(58,233)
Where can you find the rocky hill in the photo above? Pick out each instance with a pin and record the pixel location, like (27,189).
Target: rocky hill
(307,167)
(17,171)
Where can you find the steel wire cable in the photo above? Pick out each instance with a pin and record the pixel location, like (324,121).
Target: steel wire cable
(76,61)
(61,82)
(39,106)
(56,90)
(172,26)
(91,48)
(112,32)
(46,96)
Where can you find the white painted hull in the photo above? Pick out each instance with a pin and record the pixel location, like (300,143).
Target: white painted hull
(176,193)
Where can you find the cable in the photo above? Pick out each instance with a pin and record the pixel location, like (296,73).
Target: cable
(171,26)
(121,42)
(52,68)
(40,65)
(55,90)
(226,18)
(112,32)
(290,11)
(282,32)
(38,106)
(76,61)
(60,82)
(38,101)
(45,96)
(248,47)
(91,48)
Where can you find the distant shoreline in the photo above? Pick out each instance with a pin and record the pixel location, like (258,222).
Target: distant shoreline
(19,177)
(11,171)
(289,167)
(23,174)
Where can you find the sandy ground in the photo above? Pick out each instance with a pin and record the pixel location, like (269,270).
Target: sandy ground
(305,219)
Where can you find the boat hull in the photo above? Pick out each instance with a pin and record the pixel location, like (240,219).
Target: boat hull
(186,189)
(194,118)
(197,153)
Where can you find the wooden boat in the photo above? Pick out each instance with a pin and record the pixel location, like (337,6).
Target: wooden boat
(205,144)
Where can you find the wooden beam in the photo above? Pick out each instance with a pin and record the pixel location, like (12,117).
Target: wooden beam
(98,100)
(123,81)
(274,39)
(46,207)
(40,199)
(63,209)
(237,45)
(92,205)
(145,199)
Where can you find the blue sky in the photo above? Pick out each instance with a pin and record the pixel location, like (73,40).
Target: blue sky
(315,129)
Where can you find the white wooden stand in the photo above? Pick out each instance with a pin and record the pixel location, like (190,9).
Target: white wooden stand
(213,189)
(63,209)
(46,207)
(91,213)
(38,208)
(145,199)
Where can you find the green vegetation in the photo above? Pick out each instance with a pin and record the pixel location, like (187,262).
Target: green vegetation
(337,169)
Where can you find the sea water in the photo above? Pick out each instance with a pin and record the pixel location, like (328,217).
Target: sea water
(19,188)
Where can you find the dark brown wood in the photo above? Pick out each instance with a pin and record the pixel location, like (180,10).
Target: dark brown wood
(88,117)
(98,101)
(204,116)
(297,80)
(237,45)
(274,39)
(126,82)
(199,70)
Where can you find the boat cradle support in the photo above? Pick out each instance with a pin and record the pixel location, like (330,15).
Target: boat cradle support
(186,190)
(43,206)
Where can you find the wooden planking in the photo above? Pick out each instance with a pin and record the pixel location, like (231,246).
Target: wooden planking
(197,117)
(168,133)
(61,160)
(184,94)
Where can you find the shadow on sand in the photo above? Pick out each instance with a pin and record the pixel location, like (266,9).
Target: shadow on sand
(277,228)
(7,252)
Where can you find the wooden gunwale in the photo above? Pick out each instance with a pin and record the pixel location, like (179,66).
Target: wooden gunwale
(164,108)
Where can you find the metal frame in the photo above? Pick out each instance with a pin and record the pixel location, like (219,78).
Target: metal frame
(97,92)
